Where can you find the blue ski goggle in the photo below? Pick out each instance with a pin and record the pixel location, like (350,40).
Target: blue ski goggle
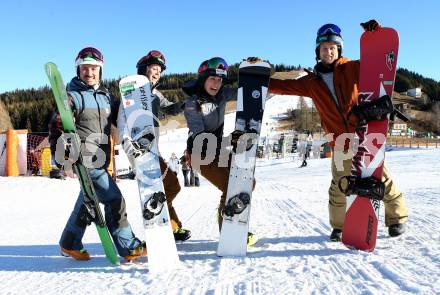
(329,29)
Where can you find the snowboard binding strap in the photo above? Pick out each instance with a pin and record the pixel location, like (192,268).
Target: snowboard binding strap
(237,204)
(375,110)
(368,187)
(154,205)
(144,140)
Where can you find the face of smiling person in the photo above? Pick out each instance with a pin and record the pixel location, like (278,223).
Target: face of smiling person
(153,73)
(328,52)
(213,84)
(89,74)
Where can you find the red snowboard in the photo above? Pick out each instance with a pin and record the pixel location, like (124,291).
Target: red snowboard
(378,62)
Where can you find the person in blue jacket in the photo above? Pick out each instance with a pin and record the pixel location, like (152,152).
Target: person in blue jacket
(95,109)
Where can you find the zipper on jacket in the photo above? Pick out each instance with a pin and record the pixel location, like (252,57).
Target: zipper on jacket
(345,121)
(99,113)
(337,105)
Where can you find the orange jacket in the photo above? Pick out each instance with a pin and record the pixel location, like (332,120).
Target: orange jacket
(334,119)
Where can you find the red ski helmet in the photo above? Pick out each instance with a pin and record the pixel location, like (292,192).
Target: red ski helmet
(153,57)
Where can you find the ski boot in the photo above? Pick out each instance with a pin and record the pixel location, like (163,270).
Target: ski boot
(181,234)
(396,230)
(251,239)
(336,235)
(137,252)
(82,254)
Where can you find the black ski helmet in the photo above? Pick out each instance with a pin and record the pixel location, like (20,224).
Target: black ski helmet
(215,66)
(153,57)
(329,33)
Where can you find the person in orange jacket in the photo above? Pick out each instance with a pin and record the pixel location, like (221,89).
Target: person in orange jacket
(333,86)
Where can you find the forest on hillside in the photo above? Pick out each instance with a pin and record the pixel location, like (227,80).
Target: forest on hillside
(32,108)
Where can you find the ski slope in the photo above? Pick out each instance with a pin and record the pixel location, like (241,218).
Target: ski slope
(289,213)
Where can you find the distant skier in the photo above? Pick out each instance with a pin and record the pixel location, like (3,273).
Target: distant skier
(307,151)
(205,114)
(333,87)
(152,65)
(194,178)
(173,164)
(185,168)
(95,109)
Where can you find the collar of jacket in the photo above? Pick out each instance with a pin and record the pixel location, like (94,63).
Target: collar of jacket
(319,68)
(193,88)
(78,85)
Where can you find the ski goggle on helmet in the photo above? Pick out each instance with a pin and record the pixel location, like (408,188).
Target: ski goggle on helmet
(153,57)
(329,33)
(215,66)
(89,56)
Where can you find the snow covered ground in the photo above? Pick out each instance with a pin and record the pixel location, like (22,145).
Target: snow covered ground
(289,213)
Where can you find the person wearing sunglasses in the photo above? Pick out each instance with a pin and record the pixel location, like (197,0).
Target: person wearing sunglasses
(333,87)
(151,66)
(95,109)
(204,111)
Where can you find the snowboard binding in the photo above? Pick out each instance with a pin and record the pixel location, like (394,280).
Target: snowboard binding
(376,110)
(143,141)
(240,138)
(368,187)
(237,204)
(373,111)
(154,205)
(86,214)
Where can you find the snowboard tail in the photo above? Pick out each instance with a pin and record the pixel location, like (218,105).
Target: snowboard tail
(90,199)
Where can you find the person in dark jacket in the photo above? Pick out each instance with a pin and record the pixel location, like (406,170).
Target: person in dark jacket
(55,131)
(204,112)
(95,109)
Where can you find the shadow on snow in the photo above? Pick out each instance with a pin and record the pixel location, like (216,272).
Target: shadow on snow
(46,258)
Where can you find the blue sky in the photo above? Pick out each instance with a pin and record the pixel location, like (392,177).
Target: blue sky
(188,32)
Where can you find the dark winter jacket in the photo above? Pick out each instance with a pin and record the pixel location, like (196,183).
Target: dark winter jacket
(204,113)
(94,111)
(55,131)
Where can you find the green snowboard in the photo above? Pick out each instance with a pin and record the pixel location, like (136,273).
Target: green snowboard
(90,198)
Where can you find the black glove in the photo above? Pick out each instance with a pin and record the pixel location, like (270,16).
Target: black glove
(370,26)
(253,59)
(235,136)
(174,108)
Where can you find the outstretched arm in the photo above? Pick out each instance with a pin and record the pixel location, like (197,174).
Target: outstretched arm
(298,87)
